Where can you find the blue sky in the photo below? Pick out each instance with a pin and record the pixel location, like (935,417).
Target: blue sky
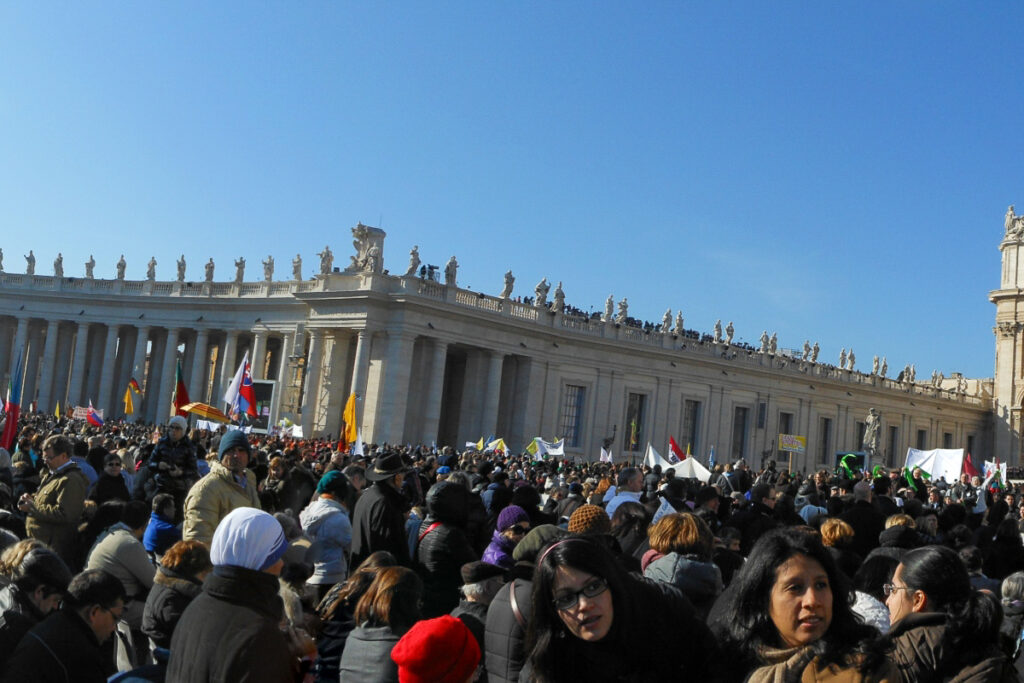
(832,172)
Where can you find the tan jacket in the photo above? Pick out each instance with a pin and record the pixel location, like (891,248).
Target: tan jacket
(57,510)
(211,498)
(799,665)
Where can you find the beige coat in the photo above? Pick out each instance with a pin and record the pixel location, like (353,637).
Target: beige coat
(211,498)
(57,510)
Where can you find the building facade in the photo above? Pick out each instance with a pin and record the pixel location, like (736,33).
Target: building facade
(431,362)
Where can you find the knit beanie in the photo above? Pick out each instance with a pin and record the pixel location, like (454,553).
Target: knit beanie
(589,520)
(510,516)
(233,439)
(440,650)
(333,483)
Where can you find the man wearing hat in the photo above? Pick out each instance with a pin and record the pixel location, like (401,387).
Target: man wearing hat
(229,485)
(480,582)
(378,522)
(173,462)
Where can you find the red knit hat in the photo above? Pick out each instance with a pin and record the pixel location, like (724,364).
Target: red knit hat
(440,650)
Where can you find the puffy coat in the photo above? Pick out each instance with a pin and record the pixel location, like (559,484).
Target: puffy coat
(118,552)
(211,499)
(61,649)
(1010,632)
(231,632)
(378,523)
(895,541)
(367,656)
(921,654)
(326,523)
(504,636)
(499,552)
(17,616)
(699,581)
(444,548)
(170,595)
(180,454)
(58,506)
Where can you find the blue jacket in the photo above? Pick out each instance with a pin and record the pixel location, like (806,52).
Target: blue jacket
(160,534)
(326,523)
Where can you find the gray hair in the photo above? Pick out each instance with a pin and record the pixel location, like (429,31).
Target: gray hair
(1013,587)
(483,591)
(461,477)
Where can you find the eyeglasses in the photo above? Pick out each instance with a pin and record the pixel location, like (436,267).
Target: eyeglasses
(519,530)
(593,588)
(890,588)
(117,615)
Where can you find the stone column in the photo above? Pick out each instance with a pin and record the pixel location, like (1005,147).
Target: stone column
(362,364)
(435,389)
(107,375)
(389,421)
(200,359)
(137,369)
(333,383)
(227,365)
(166,388)
(283,376)
(259,354)
(6,343)
(78,365)
(65,339)
(49,365)
(32,364)
(492,394)
(20,335)
(309,394)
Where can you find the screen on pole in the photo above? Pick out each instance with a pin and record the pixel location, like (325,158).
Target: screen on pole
(264,391)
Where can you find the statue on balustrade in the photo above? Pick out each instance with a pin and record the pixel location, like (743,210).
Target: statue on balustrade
(90,266)
(559,303)
(807,350)
(718,331)
(58,266)
(209,270)
(181,268)
(609,304)
(30,263)
(885,368)
(773,343)
(913,373)
(764,341)
(373,263)
(842,358)
(666,321)
(678,328)
(510,281)
(414,261)
(623,314)
(850,360)
(268,268)
(121,265)
(239,270)
(451,270)
(874,366)
(730,331)
(1,260)
(1014,224)
(326,260)
(297,267)
(814,352)
(540,293)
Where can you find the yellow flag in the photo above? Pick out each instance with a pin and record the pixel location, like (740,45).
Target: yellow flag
(129,406)
(349,416)
(57,411)
(480,444)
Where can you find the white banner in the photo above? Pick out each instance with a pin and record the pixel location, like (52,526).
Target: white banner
(991,467)
(938,462)
(80,412)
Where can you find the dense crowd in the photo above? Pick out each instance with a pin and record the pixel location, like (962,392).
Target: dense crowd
(196,556)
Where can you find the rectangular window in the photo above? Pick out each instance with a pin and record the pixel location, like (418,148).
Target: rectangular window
(894,445)
(860,434)
(947,440)
(922,439)
(635,408)
(762,414)
(739,432)
(970,443)
(824,438)
(572,415)
(691,425)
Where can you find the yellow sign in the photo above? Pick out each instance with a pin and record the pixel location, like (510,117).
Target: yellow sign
(792,443)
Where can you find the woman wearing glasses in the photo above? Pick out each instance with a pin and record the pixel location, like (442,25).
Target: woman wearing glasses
(941,627)
(592,621)
(786,616)
(513,524)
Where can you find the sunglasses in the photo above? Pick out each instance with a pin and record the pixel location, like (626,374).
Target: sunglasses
(519,530)
(593,588)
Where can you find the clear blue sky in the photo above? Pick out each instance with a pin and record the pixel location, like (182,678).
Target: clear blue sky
(832,171)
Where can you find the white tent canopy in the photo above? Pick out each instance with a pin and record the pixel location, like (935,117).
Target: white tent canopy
(691,469)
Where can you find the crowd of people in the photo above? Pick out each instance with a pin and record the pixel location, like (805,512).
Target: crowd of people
(159,553)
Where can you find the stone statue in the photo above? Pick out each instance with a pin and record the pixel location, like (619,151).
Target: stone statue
(30,263)
(807,350)
(297,267)
(558,306)
(326,260)
(666,321)
(814,352)
(1009,220)
(540,293)
(679,329)
(239,270)
(872,432)
(151,269)
(373,264)
(842,359)
(181,268)
(414,261)
(773,343)
(729,332)
(913,373)
(718,331)
(609,303)
(961,384)
(1,260)
(874,366)
(121,265)
(885,367)
(90,266)
(58,266)
(764,341)
(209,270)
(623,313)
(938,381)
(451,270)
(850,360)
(510,281)
(268,268)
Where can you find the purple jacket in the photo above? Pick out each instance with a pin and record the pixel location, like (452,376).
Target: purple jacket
(499,551)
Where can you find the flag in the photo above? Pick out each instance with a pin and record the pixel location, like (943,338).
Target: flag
(180,397)
(688,454)
(711,458)
(129,404)
(606,455)
(479,445)
(632,435)
(56,411)
(350,432)
(13,405)
(533,448)
(247,394)
(92,417)
(134,386)
(231,395)
(675,453)
(845,461)
(555,447)
(970,468)
(652,457)
(497,445)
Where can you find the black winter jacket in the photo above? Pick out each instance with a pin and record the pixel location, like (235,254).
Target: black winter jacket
(504,638)
(166,602)
(378,523)
(60,649)
(17,617)
(444,549)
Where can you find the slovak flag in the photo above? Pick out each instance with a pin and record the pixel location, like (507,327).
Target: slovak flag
(246,394)
(675,453)
(92,417)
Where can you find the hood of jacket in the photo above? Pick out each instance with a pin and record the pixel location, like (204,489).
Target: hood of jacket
(319,510)
(899,536)
(448,502)
(695,578)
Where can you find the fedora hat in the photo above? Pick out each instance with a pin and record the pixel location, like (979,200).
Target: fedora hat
(386,465)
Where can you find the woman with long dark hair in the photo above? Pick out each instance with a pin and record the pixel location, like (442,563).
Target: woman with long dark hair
(787,616)
(941,627)
(592,621)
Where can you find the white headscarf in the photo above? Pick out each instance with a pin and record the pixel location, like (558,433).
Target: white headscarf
(248,538)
